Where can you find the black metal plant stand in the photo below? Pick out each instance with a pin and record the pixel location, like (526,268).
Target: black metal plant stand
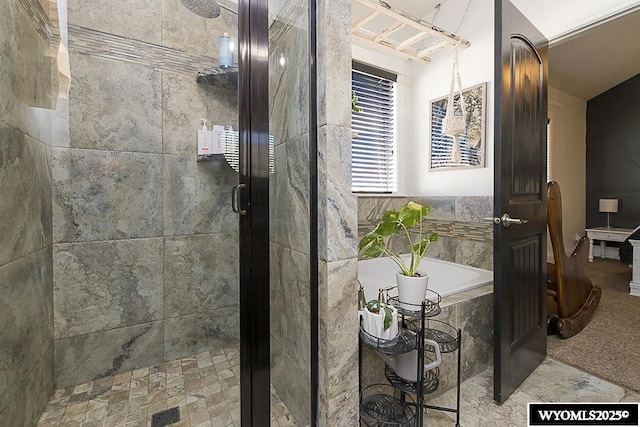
(401,402)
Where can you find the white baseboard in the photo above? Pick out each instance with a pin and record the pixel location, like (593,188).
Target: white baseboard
(634,289)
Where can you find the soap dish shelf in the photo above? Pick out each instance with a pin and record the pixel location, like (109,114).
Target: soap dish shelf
(226,78)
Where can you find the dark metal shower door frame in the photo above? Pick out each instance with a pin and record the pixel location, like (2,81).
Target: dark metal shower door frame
(253,112)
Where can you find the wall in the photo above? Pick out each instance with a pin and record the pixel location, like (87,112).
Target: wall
(460,198)
(613,155)
(419,83)
(557,19)
(26,279)
(145,242)
(463,237)
(431,81)
(567,160)
(290,301)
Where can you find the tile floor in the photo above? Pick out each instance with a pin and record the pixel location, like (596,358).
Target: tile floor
(205,387)
(552,381)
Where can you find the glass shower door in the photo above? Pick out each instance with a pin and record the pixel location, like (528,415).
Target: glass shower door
(291,183)
(276,200)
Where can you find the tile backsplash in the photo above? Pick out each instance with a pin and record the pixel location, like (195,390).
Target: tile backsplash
(462,235)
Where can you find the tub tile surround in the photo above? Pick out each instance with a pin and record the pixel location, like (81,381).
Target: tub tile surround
(462,236)
(475,318)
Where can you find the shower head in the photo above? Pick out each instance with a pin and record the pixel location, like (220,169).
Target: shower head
(204,8)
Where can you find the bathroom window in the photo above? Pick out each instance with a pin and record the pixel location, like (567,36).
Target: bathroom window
(373,152)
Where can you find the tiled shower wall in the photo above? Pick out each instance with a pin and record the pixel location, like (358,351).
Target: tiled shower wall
(26,278)
(144,240)
(463,237)
(289,208)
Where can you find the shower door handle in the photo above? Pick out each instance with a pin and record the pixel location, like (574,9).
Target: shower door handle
(235,199)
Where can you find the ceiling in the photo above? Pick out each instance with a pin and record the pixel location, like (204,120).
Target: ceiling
(594,43)
(597,59)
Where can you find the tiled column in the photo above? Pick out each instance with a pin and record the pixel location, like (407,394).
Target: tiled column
(338,223)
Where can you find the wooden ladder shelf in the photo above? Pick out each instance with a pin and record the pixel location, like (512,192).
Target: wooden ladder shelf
(404,45)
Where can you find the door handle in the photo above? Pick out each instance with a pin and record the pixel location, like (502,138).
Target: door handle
(505,220)
(492,219)
(235,199)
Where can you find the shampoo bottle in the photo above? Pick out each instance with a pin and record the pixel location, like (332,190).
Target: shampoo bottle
(225,53)
(205,140)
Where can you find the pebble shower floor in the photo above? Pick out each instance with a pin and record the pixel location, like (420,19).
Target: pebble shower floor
(205,388)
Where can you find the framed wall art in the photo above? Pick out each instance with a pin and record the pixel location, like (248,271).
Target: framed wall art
(445,153)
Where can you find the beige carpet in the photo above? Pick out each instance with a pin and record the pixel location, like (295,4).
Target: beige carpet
(609,347)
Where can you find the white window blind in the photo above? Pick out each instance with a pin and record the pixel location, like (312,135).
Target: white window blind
(373,152)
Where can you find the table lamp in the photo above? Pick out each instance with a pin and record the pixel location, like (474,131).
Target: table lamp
(608,206)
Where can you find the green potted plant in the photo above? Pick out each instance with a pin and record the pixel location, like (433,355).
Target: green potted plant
(354,103)
(380,320)
(412,283)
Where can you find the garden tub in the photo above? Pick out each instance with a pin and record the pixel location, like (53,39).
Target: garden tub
(445,278)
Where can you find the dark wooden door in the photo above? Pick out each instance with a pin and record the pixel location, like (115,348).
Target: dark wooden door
(520,192)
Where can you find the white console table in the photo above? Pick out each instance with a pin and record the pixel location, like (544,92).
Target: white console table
(634,284)
(605,234)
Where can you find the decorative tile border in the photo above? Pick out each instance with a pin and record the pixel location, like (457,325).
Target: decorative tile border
(475,231)
(117,48)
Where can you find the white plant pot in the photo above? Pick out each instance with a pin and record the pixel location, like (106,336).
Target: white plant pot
(412,290)
(373,324)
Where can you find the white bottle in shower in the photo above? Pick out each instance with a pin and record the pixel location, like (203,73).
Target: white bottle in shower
(205,140)
(225,52)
